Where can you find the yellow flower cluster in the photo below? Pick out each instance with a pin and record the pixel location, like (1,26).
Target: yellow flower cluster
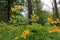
(26,32)
(19,7)
(54,29)
(35,17)
(53,21)
(13,9)
(57,19)
(50,19)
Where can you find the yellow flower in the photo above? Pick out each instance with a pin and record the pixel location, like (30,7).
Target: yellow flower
(37,18)
(26,31)
(13,16)
(57,20)
(23,36)
(49,19)
(52,22)
(58,31)
(16,37)
(55,29)
(50,31)
(33,16)
(13,9)
(19,7)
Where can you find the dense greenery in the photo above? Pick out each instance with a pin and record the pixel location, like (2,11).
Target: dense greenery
(43,25)
(29,32)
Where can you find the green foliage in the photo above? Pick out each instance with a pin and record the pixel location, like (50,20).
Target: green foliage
(17,28)
(42,33)
(43,15)
(36,32)
(17,18)
(2,24)
(47,24)
(10,32)
(37,7)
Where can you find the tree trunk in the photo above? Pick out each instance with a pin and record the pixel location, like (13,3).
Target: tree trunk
(9,6)
(29,9)
(3,10)
(56,13)
(59,1)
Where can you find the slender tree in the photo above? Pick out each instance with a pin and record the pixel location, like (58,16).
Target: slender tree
(3,10)
(59,1)
(55,9)
(29,9)
(37,6)
(9,5)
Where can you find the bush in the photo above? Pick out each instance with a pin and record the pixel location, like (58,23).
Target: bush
(17,18)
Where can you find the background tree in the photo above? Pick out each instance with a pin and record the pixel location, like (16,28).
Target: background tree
(59,1)
(55,10)
(29,9)
(10,3)
(3,10)
(37,7)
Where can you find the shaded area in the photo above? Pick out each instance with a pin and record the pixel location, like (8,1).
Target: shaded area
(3,10)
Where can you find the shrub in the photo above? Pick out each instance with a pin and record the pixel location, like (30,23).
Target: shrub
(17,18)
